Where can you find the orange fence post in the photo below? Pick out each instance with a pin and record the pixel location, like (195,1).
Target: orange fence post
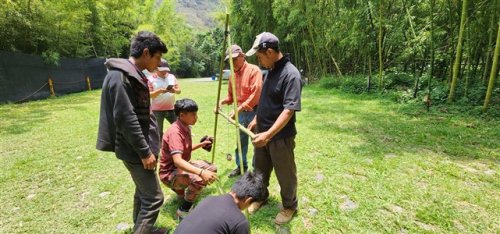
(88,83)
(51,88)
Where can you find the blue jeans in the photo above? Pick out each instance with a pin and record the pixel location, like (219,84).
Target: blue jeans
(244,118)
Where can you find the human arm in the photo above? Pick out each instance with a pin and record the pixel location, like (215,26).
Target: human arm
(202,144)
(291,103)
(176,89)
(229,99)
(125,117)
(252,124)
(157,92)
(154,93)
(207,175)
(261,139)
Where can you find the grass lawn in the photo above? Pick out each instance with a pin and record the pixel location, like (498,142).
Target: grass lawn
(365,165)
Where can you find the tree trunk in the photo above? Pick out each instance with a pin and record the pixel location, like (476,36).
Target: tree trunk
(380,62)
(491,30)
(369,74)
(493,73)
(456,66)
(428,98)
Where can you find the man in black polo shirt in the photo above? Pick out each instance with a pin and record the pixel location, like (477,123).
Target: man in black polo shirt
(275,122)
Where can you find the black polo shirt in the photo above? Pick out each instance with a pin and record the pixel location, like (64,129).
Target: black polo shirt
(280,90)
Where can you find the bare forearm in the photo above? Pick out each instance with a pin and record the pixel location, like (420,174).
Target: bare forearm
(197,146)
(185,165)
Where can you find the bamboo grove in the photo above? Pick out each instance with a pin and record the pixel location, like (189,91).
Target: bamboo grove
(441,50)
(449,43)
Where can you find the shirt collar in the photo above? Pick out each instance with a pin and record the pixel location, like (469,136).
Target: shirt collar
(282,62)
(242,68)
(183,127)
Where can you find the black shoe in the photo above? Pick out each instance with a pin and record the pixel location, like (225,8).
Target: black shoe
(237,172)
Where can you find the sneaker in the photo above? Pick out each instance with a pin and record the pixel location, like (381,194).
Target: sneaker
(284,216)
(181,214)
(255,206)
(237,172)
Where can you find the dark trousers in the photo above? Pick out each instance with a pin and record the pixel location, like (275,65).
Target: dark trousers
(169,115)
(148,197)
(279,155)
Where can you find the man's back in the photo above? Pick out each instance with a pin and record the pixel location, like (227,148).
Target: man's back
(215,215)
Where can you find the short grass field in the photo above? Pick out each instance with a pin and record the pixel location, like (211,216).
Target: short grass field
(365,165)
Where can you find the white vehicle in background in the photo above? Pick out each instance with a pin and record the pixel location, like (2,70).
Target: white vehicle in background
(225,75)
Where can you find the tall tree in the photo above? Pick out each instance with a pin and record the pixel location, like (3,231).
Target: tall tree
(458,57)
(380,61)
(493,73)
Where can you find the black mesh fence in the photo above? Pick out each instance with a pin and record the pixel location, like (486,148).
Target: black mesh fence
(25,77)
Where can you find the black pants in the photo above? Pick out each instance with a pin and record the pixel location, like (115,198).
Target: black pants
(148,197)
(279,155)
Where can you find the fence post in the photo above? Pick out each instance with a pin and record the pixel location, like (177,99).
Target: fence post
(51,87)
(88,83)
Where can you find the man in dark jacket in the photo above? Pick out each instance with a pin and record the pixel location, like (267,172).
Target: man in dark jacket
(127,127)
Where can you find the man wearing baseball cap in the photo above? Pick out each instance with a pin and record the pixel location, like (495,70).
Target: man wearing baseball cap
(248,78)
(275,122)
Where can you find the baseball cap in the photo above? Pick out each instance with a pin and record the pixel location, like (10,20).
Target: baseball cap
(235,52)
(163,66)
(264,40)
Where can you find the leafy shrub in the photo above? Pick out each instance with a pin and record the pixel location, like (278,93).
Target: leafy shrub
(398,81)
(51,58)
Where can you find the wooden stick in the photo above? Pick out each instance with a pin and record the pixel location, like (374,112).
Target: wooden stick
(243,129)
(222,55)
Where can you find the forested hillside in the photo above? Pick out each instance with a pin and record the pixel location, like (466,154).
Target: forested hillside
(199,13)
(103,28)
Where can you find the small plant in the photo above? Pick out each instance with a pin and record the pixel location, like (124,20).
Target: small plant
(51,57)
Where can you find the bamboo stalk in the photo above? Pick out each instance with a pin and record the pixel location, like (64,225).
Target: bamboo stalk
(226,33)
(232,121)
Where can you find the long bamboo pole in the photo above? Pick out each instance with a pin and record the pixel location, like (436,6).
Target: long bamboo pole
(493,73)
(226,33)
(241,127)
(232,78)
(458,55)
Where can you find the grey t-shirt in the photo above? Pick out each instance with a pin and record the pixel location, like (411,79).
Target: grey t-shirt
(215,215)
(280,90)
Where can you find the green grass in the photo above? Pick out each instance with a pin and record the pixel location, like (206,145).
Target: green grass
(365,165)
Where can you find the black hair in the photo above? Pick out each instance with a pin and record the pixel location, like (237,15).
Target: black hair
(250,185)
(145,39)
(185,105)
